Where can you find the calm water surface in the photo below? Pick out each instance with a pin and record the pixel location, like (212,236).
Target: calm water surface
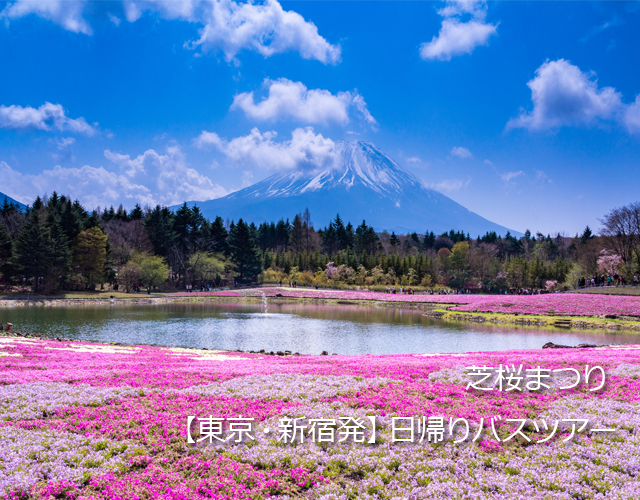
(308,329)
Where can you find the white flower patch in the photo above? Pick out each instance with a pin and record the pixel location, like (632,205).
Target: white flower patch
(7,342)
(631,347)
(8,354)
(216,357)
(201,354)
(190,352)
(436,354)
(98,349)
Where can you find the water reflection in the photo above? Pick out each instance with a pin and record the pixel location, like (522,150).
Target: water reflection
(345,329)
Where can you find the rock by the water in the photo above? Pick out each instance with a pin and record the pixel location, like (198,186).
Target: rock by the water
(551,345)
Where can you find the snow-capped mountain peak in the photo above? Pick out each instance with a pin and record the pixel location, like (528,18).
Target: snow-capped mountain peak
(359,182)
(355,163)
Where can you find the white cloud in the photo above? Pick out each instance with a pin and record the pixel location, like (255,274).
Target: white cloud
(289,99)
(131,167)
(227,26)
(461,152)
(457,37)
(175,182)
(615,21)
(92,186)
(477,8)
(632,116)
(416,161)
(488,162)
(357,101)
(45,117)
(64,146)
(305,149)
(168,180)
(265,28)
(450,185)
(509,176)
(161,137)
(65,143)
(542,177)
(207,140)
(68,14)
(563,95)
(247,178)
(168,9)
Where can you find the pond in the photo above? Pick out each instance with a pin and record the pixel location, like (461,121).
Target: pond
(303,328)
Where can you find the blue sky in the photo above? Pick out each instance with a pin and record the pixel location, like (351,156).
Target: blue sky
(524,112)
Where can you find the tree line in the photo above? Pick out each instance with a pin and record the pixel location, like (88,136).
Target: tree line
(56,244)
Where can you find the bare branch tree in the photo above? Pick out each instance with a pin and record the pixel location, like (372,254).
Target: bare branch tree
(621,231)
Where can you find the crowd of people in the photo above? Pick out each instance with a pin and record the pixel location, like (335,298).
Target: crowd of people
(201,288)
(602,280)
(524,291)
(401,290)
(410,291)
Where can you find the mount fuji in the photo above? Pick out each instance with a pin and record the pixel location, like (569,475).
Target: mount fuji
(360,183)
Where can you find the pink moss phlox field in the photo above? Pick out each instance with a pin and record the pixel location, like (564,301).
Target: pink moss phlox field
(222,293)
(556,304)
(93,421)
(186,478)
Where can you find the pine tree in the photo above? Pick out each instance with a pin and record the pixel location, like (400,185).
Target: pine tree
(282,234)
(366,239)
(330,239)
(159,226)
(122,214)
(349,237)
(70,220)
(32,256)
(218,237)
(342,238)
(244,251)
(90,255)
(587,234)
(394,240)
(5,251)
(136,213)
(60,256)
(307,227)
(296,237)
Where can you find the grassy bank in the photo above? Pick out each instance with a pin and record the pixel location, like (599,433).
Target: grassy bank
(566,322)
(610,290)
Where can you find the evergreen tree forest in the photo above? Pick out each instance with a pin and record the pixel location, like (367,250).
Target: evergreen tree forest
(56,244)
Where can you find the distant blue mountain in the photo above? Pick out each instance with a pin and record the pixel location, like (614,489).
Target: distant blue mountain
(362,183)
(11,200)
